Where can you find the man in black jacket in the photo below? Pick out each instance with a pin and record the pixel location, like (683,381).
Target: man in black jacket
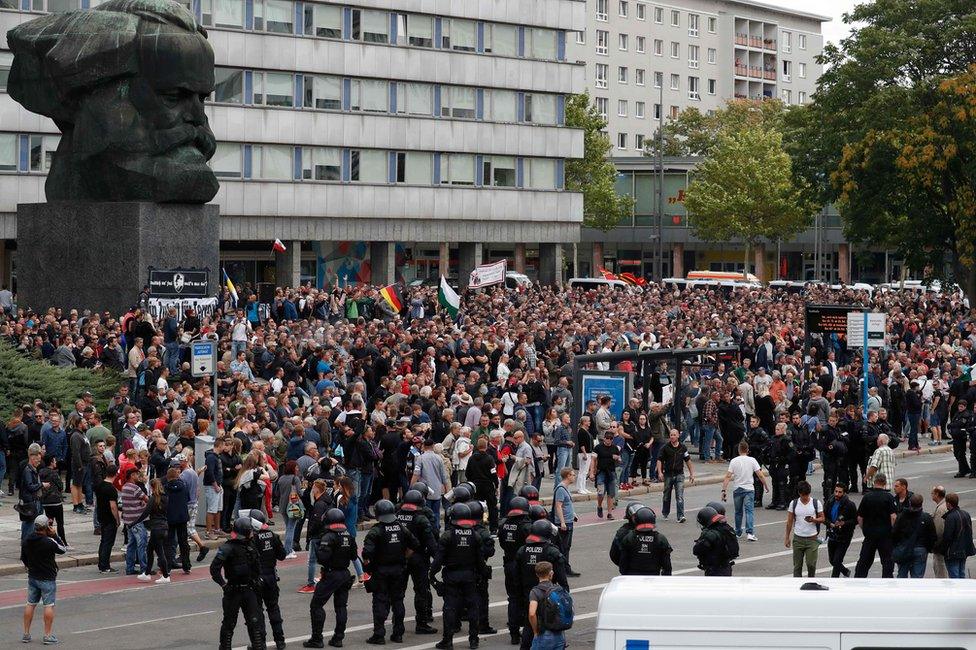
(876,516)
(957,537)
(961,427)
(840,520)
(914,538)
(482,471)
(37,553)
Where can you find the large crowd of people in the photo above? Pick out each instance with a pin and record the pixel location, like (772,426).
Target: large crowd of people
(333,391)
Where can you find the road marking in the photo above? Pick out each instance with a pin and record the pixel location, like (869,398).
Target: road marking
(153,620)
(463,637)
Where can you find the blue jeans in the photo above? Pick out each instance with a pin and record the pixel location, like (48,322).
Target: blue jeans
(710,434)
(355,476)
(290,525)
(956,568)
(549,641)
(914,419)
(435,507)
(744,500)
(26,528)
(916,566)
(365,489)
(235,348)
(692,431)
(676,483)
(562,460)
(625,458)
(313,546)
(653,454)
(135,550)
(173,357)
(536,413)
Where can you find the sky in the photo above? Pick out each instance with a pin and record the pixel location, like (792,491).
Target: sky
(834,30)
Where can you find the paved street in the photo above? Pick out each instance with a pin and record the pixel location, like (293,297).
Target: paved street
(95,611)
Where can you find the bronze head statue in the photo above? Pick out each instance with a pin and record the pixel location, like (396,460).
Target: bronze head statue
(125,83)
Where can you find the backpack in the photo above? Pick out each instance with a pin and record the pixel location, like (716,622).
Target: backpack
(729,540)
(552,511)
(556,610)
(816,510)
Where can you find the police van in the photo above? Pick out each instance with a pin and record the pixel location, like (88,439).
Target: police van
(686,612)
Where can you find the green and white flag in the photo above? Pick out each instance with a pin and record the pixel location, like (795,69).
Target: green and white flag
(448,298)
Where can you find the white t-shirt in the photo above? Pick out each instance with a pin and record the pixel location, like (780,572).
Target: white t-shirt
(801,527)
(461,445)
(742,469)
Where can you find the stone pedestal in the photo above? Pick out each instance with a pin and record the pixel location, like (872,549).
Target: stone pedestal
(88,255)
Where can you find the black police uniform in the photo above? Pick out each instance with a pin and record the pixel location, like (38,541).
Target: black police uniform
(803,452)
(780,451)
(961,428)
(418,564)
(237,570)
(618,537)
(270,550)
(758,441)
(459,553)
(833,443)
(512,531)
(645,552)
(335,552)
(709,548)
(385,558)
(535,550)
(484,573)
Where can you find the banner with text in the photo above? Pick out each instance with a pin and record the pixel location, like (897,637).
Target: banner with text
(488,274)
(203,307)
(179,283)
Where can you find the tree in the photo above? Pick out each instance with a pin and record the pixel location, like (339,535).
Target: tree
(694,133)
(594,174)
(745,188)
(884,90)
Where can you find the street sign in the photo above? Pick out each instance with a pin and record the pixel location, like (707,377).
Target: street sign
(876,329)
(203,358)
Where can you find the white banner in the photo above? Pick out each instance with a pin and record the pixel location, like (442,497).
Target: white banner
(488,274)
(204,307)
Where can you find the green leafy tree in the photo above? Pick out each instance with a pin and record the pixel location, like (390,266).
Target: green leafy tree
(745,188)
(594,174)
(693,133)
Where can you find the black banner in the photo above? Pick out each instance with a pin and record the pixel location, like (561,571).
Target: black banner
(828,319)
(179,283)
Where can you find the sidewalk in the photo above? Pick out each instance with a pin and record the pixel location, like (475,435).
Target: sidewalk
(85,544)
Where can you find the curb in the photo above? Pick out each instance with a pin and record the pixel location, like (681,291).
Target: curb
(88,559)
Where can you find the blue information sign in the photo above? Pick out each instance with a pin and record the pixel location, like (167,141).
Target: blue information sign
(615,384)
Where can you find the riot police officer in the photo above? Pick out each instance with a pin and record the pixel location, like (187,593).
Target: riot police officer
(487,551)
(531,494)
(538,547)
(336,550)
(717,546)
(758,441)
(385,558)
(779,455)
(460,494)
(270,552)
(512,531)
(625,528)
(411,514)
(237,570)
(644,551)
(460,555)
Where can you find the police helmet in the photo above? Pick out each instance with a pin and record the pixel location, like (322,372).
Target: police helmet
(541,528)
(529,492)
(471,487)
(421,487)
(385,511)
(335,516)
(718,506)
(243,527)
(257,514)
(518,506)
(477,510)
(414,498)
(460,511)
(644,517)
(706,515)
(537,512)
(632,510)
(461,494)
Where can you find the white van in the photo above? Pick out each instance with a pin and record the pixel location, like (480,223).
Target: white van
(599,283)
(692,612)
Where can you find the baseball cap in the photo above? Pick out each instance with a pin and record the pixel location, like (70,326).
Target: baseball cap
(41,521)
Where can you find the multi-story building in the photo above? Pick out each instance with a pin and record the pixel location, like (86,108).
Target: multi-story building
(376,138)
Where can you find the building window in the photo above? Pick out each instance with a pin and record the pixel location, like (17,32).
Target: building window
(675,82)
(498,171)
(225,163)
(674,112)
(540,108)
(540,44)
(458,102)
(658,79)
(801,97)
(419,30)
(275,89)
(414,168)
(222,13)
(712,24)
(711,55)
(272,162)
(639,142)
(459,35)
(621,141)
(787,42)
(503,40)
(787,96)
(802,70)
(621,75)
(370,26)
(675,49)
(540,174)
(801,41)
(658,15)
(639,110)
(8,152)
(693,88)
(369,166)
(369,95)
(712,85)
(504,105)
(276,16)
(42,148)
(787,70)
(602,73)
(693,56)
(602,10)
(658,47)
(415,98)
(321,164)
(622,8)
(581,38)
(657,111)
(622,42)
(228,84)
(601,106)
(602,42)
(324,21)
(639,76)
(640,44)
(457,169)
(675,17)
(621,108)
(641,11)
(693,22)
(324,92)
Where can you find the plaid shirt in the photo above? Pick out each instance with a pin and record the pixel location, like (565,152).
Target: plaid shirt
(884,459)
(710,415)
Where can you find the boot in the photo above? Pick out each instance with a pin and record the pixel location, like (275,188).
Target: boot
(425,628)
(335,642)
(226,639)
(376,639)
(515,638)
(447,643)
(313,643)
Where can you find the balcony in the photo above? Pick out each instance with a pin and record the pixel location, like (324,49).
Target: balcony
(741,70)
(755,72)
(756,42)
(769,44)
(769,74)
(742,39)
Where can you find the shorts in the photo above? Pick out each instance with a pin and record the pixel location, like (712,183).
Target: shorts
(191,523)
(78,477)
(41,591)
(606,483)
(215,500)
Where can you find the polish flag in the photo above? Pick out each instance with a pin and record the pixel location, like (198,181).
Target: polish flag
(278,247)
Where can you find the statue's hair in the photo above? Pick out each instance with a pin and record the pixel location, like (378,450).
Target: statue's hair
(57,55)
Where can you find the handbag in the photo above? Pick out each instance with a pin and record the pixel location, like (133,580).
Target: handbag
(28,510)
(295,509)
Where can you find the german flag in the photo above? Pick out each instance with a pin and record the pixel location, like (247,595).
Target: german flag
(393,297)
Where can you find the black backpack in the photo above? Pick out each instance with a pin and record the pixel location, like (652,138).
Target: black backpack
(729,541)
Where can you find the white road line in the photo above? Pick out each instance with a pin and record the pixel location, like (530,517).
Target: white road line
(463,637)
(154,620)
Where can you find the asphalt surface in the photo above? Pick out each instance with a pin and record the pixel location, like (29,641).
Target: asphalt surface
(121,612)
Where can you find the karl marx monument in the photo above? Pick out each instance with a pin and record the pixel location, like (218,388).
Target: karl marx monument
(125,83)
